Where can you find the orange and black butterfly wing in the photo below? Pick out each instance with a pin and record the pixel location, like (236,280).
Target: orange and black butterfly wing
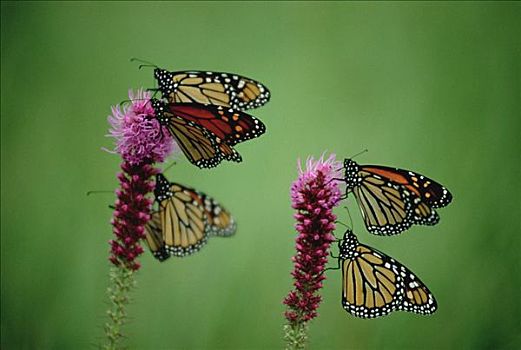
(215,88)
(425,194)
(230,126)
(374,284)
(429,191)
(154,238)
(220,221)
(182,218)
(371,282)
(391,200)
(417,297)
(202,147)
(386,208)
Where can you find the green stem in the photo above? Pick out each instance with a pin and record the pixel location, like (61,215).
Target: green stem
(121,283)
(296,335)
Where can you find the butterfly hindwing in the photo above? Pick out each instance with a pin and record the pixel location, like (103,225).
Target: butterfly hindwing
(417,297)
(214,88)
(154,238)
(374,284)
(220,221)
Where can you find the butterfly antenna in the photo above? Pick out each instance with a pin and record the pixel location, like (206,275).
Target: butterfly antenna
(341,223)
(168,167)
(350,218)
(145,63)
(136,99)
(359,153)
(93,192)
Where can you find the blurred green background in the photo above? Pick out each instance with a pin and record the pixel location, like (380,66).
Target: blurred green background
(431,87)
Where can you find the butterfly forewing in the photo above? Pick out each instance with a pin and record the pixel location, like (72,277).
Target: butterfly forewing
(229,125)
(430,191)
(386,208)
(215,88)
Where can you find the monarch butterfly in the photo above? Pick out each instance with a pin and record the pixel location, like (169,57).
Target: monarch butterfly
(215,88)
(374,284)
(392,200)
(185,220)
(206,134)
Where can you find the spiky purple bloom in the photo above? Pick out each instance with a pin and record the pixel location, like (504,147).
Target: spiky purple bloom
(314,195)
(138,135)
(131,214)
(140,142)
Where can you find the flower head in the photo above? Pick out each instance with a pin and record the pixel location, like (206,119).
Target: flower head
(314,195)
(138,134)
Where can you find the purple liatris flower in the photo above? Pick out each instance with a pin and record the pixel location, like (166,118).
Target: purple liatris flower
(138,135)
(314,195)
(132,213)
(141,142)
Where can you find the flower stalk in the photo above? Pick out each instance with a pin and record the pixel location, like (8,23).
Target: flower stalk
(122,282)
(314,195)
(140,143)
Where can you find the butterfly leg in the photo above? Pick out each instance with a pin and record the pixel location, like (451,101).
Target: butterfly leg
(162,134)
(335,179)
(332,268)
(155,90)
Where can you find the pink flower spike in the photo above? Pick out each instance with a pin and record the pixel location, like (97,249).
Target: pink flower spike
(130,216)
(139,136)
(314,195)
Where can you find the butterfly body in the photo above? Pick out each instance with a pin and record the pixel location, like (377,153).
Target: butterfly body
(206,133)
(185,220)
(215,88)
(392,200)
(374,284)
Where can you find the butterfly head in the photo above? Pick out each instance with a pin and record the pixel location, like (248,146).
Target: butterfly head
(164,80)
(162,190)
(351,173)
(347,245)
